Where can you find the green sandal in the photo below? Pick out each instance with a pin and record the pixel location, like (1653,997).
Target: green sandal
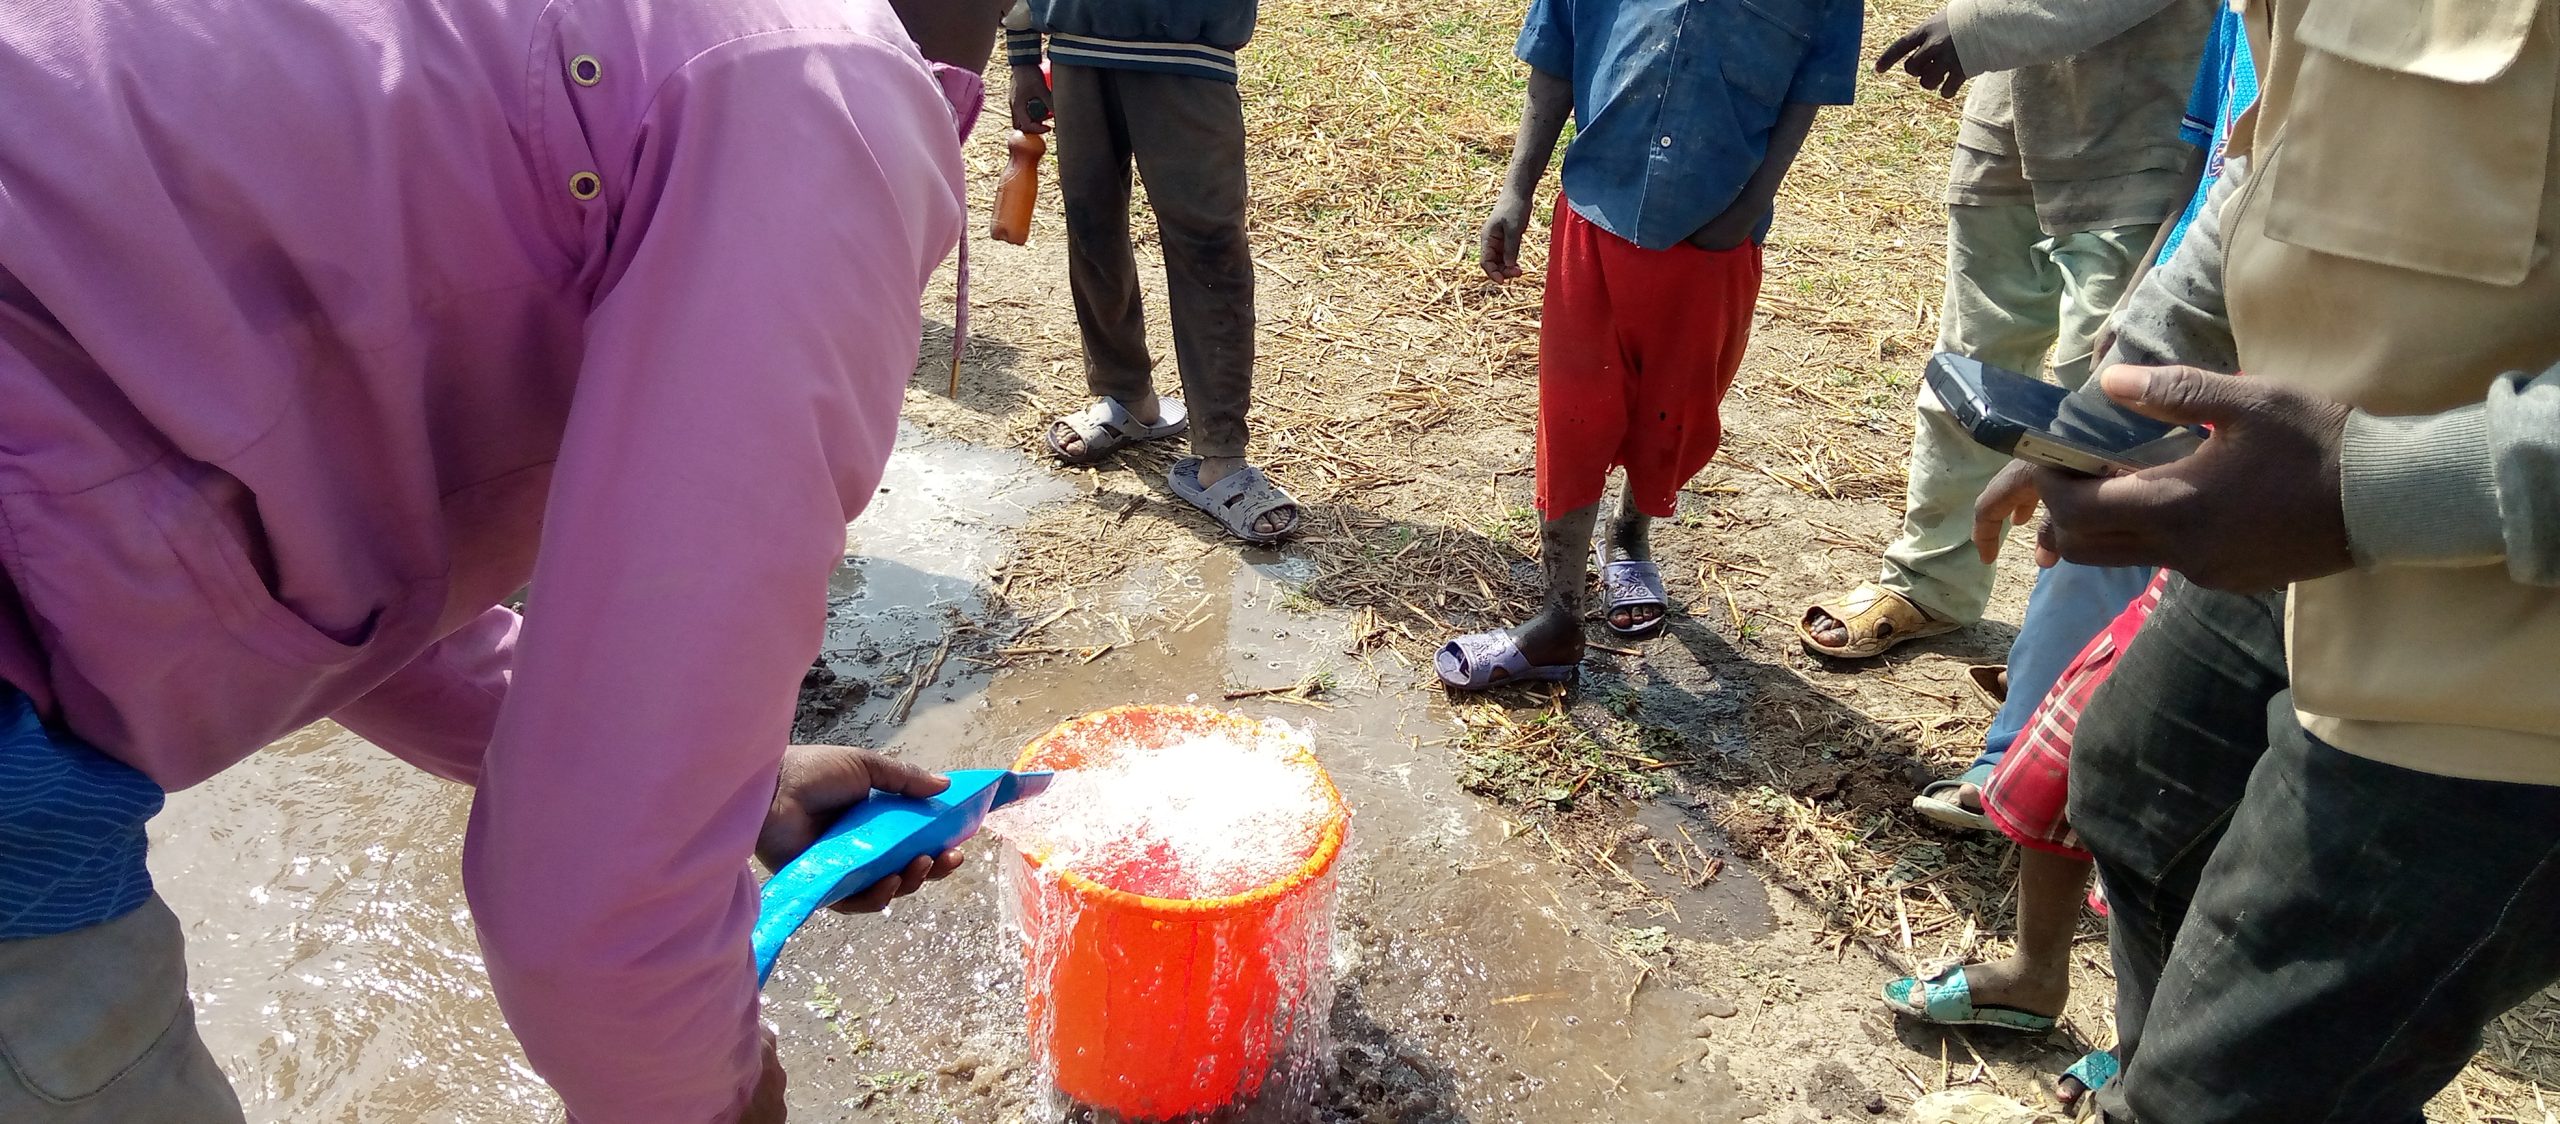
(2091,1073)
(1945,999)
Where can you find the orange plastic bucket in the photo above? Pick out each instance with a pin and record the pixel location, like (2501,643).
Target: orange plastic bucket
(1155,1008)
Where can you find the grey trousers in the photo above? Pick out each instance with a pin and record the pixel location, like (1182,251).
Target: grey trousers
(96,1028)
(1186,136)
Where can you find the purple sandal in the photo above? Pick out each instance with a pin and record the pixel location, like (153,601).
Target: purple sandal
(1482,660)
(1628,584)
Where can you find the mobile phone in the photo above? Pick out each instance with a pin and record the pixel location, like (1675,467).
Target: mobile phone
(2041,423)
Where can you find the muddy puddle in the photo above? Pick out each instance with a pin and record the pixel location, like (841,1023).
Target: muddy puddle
(1477,981)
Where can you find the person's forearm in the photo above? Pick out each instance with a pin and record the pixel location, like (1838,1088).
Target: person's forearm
(1994,35)
(1542,120)
(1786,139)
(2467,487)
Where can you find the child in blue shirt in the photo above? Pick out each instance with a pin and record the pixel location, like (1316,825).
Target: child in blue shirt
(1688,114)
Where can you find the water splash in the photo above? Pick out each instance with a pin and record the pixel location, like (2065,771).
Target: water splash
(1177,926)
(1207,816)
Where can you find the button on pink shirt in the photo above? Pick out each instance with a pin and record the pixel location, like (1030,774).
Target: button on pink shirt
(325,324)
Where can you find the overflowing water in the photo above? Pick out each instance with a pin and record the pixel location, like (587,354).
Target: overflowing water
(1206,816)
(1172,895)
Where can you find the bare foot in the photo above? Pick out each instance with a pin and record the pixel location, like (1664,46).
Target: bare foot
(1148,411)
(1214,469)
(1827,630)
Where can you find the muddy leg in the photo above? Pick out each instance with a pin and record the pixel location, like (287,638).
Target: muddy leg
(1554,636)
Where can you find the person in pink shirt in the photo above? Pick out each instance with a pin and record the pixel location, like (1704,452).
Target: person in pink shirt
(326,325)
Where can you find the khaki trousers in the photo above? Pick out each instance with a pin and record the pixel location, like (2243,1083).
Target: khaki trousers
(96,1028)
(2014,294)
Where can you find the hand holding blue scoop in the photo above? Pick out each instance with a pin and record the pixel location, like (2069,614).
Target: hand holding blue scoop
(875,839)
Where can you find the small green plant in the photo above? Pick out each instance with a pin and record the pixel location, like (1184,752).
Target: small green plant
(1645,943)
(1512,523)
(1622,701)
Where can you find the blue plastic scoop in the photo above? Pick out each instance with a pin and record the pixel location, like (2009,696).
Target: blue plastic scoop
(878,838)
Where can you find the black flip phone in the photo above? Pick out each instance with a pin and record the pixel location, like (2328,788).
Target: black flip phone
(2041,423)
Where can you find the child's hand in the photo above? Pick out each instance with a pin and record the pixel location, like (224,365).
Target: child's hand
(1030,100)
(1928,53)
(1741,219)
(1500,249)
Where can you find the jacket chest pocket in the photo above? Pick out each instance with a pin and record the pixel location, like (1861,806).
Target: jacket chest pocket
(2419,135)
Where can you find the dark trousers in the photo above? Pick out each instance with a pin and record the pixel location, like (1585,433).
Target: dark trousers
(1186,136)
(2300,934)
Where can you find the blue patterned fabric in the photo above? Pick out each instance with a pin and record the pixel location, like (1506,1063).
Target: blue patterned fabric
(71,839)
(2226,87)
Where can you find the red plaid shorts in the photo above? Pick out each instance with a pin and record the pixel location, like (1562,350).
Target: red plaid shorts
(2027,793)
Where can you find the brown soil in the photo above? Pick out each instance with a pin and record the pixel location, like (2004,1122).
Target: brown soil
(1395,399)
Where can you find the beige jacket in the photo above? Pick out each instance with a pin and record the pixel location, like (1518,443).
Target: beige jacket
(2392,249)
(2084,96)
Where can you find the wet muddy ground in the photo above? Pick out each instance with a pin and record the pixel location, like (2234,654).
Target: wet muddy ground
(1479,977)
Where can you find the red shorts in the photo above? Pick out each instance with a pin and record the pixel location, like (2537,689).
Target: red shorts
(2027,794)
(1635,351)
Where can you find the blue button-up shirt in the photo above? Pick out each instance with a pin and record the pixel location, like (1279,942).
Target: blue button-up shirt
(1673,100)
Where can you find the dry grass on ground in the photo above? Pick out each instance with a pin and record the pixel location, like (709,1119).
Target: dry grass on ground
(1395,395)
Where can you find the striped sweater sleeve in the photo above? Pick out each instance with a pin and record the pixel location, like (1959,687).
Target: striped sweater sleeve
(1021,36)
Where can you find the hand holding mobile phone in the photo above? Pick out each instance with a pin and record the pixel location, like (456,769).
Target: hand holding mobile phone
(2041,423)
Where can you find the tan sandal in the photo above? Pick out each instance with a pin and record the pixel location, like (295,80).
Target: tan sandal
(1877,619)
(1991,681)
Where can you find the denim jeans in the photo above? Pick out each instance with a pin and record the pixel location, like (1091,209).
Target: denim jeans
(2300,935)
(2071,605)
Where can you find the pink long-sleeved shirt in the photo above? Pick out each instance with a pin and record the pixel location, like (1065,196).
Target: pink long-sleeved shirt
(325,324)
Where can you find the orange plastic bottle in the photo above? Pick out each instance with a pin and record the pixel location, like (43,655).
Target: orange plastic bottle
(1021,186)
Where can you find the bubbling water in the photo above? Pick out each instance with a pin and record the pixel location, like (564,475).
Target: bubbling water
(1185,972)
(1209,815)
